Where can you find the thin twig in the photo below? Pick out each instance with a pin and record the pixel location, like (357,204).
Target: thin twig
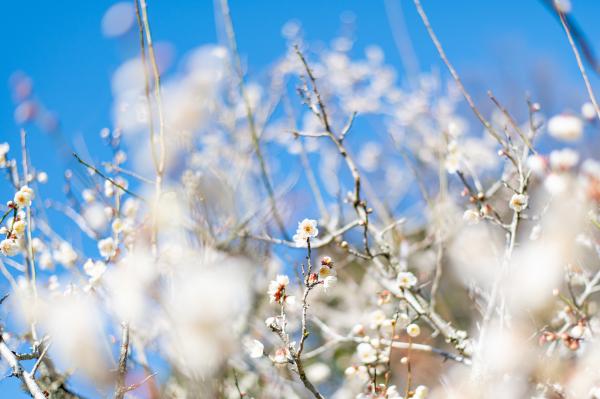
(588,85)
(102,175)
(237,64)
(512,121)
(31,275)
(160,170)
(40,359)
(454,74)
(18,371)
(122,369)
(359,204)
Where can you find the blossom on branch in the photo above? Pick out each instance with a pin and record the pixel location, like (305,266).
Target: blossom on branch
(307,229)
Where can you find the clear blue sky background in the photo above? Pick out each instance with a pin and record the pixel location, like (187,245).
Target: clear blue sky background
(494,44)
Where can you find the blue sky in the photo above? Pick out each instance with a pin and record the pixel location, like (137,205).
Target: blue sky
(497,45)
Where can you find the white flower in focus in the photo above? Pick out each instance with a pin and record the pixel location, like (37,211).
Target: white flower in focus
(107,247)
(406,280)
(413,330)
(277,287)
(9,247)
(306,229)
(254,348)
(471,216)
(23,197)
(326,271)
(518,202)
(19,227)
(563,160)
(366,353)
(565,127)
(588,111)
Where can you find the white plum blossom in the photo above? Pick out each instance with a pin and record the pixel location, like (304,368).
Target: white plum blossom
(281,356)
(406,280)
(9,247)
(565,127)
(413,330)
(23,197)
(18,227)
(277,287)
(117,225)
(307,229)
(94,270)
(518,202)
(327,273)
(107,247)
(366,353)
